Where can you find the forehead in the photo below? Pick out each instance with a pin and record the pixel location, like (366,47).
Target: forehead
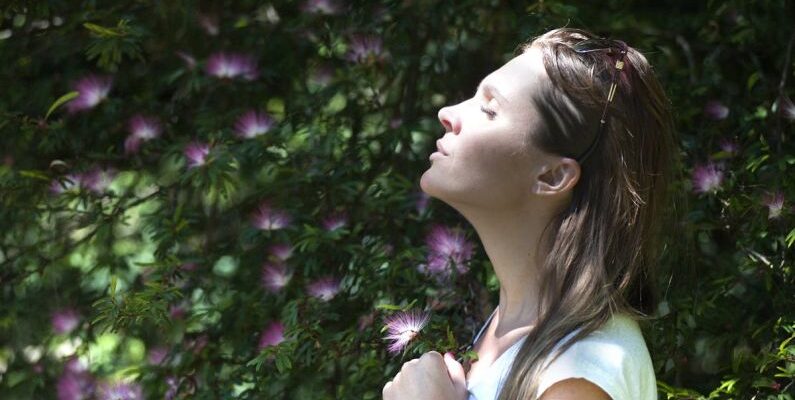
(518,77)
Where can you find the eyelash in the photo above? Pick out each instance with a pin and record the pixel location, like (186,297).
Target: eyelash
(489,112)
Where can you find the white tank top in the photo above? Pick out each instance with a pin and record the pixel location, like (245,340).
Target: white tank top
(614,357)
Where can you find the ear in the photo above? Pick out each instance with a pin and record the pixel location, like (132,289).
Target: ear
(558,176)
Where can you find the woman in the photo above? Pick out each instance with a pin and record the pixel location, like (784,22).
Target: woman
(560,162)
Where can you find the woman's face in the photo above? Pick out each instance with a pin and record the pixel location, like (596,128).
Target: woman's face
(489,160)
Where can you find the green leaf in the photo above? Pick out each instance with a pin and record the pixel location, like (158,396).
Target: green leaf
(790,238)
(102,31)
(61,100)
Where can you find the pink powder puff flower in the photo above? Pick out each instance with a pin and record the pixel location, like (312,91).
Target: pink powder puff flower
(774,203)
(232,65)
(157,355)
(98,180)
(188,59)
(365,49)
(322,75)
(196,154)
(715,110)
(71,181)
(141,129)
(324,288)
(421,200)
(93,89)
(729,146)
(252,124)
(275,276)
(272,335)
(707,178)
(120,391)
(328,7)
(198,344)
(280,251)
(784,106)
(446,245)
(366,321)
(64,320)
(176,311)
(209,23)
(403,327)
(268,218)
(75,383)
(335,221)
(144,127)
(188,267)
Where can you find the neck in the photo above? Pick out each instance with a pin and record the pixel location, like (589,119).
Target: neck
(509,237)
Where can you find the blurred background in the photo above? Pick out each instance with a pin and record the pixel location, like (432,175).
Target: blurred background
(221,200)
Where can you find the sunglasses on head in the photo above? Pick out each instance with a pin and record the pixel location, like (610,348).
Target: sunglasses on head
(614,48)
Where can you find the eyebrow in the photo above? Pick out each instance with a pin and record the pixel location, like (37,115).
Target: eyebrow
(493,90)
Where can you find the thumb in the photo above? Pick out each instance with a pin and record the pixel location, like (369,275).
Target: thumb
(456,371)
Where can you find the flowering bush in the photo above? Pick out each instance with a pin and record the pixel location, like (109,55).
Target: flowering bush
(221,201)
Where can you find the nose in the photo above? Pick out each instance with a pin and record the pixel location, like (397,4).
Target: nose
(449,120)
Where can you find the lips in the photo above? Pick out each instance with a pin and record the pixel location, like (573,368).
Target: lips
(440,147)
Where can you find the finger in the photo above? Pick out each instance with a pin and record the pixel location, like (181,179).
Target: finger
(385,390)
(456,371)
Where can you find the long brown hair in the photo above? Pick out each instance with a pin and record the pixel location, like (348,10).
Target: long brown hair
(603,249)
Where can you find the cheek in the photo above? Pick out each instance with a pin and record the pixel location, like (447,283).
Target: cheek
(498,165)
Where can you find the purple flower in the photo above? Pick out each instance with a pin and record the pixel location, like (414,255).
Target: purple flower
(144,127)
(328,7)
(75,383)
(446,245)
(120,391)
(267,218)
(173,387)
(421,201)
(335,221)
(253,124)
(403,327)
(98,180)
(366,320)
(188,266)
(272,335)
(774,203)
(275,277)
(365,49)
(141,129)
(785,107)
(280,251)
(93,89)
(196,153)
(176,311)
(157,355)
(64,320)
(714,109)
(232,65)
(322,75)
(71,181)
(707,178)
(209,23)
(729,146)
(324,288)
(188,59)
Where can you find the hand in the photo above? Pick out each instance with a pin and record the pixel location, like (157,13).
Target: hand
(430,377)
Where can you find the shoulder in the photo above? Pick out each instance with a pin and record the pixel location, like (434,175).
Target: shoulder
(613,359)
(574,389)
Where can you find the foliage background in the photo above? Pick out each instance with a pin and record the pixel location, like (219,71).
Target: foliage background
(163,258)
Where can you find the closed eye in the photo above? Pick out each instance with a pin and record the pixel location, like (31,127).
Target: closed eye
(491,113)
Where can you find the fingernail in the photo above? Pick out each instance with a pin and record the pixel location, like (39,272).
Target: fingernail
(450,353)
